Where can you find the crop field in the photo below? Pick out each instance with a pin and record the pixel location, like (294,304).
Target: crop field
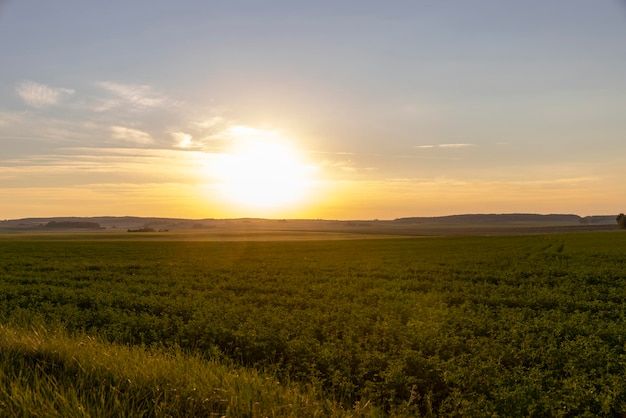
(509,326)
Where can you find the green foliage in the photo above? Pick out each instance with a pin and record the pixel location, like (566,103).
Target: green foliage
(509,326)
(621,220)
(51,374)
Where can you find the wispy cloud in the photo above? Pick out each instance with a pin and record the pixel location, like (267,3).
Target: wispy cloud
(346,166)
(7,118)
(211,124)
(39,95)
(330,152)
(215,132)
(131,135)
(134,96)
(218,132)
(444,146)
(455,145)
(203,133)
(121,164)
(234,132)
(183,140)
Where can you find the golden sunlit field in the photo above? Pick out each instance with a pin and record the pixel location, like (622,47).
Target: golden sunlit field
(312,324)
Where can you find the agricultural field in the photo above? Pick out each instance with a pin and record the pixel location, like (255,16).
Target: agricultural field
(530,325)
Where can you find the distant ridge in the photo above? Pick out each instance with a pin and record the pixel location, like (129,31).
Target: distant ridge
(122,222)
(489,218)
(73,225)
(507,223)
(494,218)
(509,218)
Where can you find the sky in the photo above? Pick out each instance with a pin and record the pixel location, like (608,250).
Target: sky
(299,109)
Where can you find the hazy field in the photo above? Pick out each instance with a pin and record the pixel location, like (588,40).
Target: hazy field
(510,326)
(283,229)
(217,236)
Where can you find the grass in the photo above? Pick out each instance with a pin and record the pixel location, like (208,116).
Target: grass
(464,326)
(52,374)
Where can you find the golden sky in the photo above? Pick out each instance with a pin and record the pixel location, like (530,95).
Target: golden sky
(334,110)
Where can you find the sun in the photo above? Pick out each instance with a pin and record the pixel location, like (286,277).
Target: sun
(261,170)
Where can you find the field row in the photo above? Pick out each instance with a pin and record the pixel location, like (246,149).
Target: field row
(512,326)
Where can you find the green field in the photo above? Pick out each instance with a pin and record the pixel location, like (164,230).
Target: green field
(459,326)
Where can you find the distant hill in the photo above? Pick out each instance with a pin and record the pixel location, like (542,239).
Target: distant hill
(485,224)
(510,218)
(114,222)
(73,225)
(507,218)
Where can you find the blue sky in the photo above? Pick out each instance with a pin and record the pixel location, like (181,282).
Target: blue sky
(393,109)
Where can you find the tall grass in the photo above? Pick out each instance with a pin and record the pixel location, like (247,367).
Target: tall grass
(53,374)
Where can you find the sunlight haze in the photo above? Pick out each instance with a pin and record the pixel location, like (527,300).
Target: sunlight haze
(333,110)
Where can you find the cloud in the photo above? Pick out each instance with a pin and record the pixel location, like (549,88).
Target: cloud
(83,166)
(131,135)
(39,95)
(212,123)
(347,166)
(7,119)
(183,140)
(219,131)
(330,152)
(455,145)
(135,96)
(242,132)
(444,146)
(202,132)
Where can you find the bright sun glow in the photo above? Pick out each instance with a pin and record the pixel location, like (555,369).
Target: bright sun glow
(261,170)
